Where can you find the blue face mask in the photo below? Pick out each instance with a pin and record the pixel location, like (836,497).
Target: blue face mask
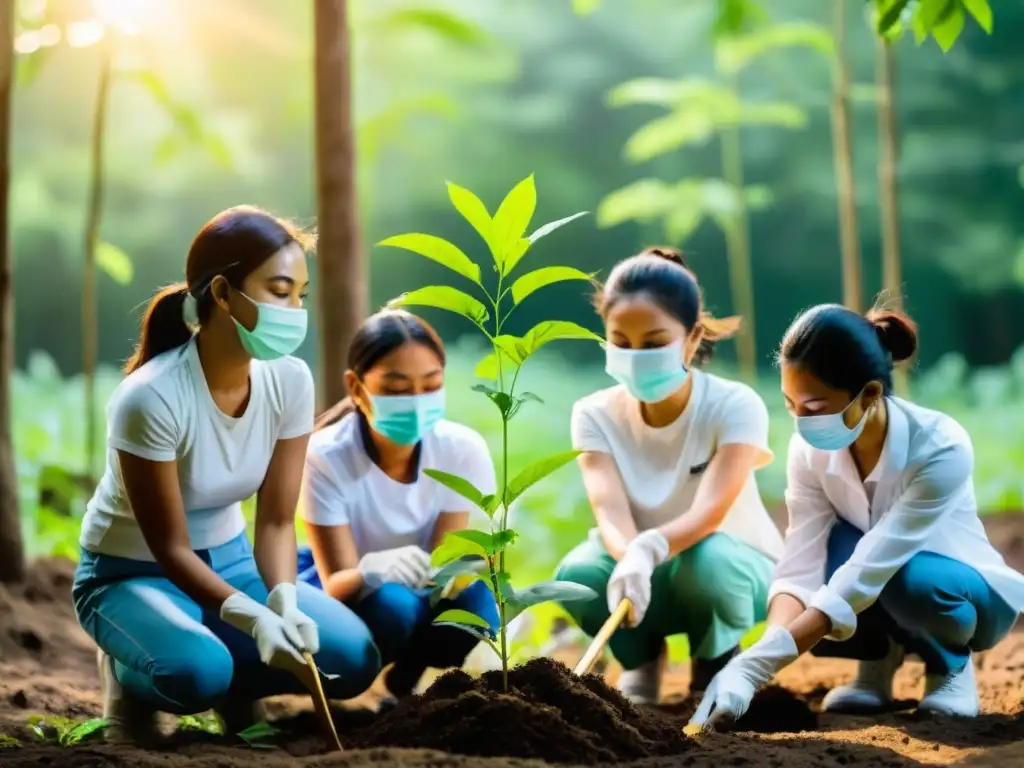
(828,431)
(279,331)
(649,375)
(406,419)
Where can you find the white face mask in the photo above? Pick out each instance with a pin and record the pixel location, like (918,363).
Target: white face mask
(649,375)
(828,431)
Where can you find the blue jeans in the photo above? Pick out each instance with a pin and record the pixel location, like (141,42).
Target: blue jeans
(181,658)
(934,606)
(400,620)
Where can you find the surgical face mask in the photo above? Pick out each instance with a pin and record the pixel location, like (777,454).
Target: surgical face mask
(649,375)
(828,431)
(406,419)
(279,331)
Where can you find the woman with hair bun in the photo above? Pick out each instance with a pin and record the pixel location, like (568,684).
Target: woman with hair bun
(668,464)
(885,554)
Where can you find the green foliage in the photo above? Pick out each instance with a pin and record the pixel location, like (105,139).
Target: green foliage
(115,262)
(942,20)
(66,732)
(504,233)
(260,736)
(201,724)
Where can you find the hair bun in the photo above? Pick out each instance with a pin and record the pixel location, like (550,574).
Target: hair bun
(666,252)
(896,331)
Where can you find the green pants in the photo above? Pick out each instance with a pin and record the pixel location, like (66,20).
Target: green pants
(714,592)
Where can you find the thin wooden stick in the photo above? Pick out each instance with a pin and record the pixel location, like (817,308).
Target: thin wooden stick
(602,637)
(316,690)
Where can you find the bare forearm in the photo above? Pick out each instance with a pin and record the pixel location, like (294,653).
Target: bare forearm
(808,626)
(185,570)
(275,552)
(342,585)
(616,535)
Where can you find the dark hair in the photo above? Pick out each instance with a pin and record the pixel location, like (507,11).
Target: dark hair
(845,350)
(234,243)
(661,274)
(379,335)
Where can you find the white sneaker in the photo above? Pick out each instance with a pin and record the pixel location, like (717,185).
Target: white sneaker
(127,719)
(955,694)
(641,685)
(872,690)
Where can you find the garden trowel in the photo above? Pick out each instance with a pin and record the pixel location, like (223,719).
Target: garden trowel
(310,677)
(603,636)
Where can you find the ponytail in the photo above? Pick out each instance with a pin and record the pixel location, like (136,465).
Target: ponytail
(162,328)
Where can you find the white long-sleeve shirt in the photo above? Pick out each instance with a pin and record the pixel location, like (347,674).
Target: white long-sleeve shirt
(919,498)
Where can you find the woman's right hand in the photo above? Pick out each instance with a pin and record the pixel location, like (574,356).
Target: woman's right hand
(279,642)
(409,566)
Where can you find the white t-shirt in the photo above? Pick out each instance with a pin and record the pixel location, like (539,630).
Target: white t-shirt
(661,467)
(343,486)
(164,412)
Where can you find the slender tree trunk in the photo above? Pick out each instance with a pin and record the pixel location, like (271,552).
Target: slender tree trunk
(342,283)
(888,162)
(12,549)
(842,152)
(94,214)
(737,241)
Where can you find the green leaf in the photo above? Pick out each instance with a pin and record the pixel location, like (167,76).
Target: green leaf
(115,262)
(473,210)
(551,226)
(490,504)
(555,330)
(644,201)
(545,592)
(543,277)
(514,254)
(446,25)
(488,368)
(538,471)
(489,543)
(460,485)
(258,734)
(780,113)
(89,730)
(947,32)
(511,220)
(444,297)
(658,91)
(459,616)
(462,567)
(438,249)
(482,635)
(736,16)
(669,133)
(982,13)
(454,548)
(29,66)
(585,7)
(890,15)
(734,54)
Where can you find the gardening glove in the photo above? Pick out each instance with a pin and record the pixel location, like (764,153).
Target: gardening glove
(279,642)
(283,601)
(407,565)
(729,695)
(631,578)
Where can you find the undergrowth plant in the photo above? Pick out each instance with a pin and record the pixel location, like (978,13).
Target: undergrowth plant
(460,554)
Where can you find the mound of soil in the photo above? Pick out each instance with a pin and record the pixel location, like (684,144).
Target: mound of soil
(552,715)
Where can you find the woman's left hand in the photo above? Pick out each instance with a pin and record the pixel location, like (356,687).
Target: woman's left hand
(729,695)
(283,601)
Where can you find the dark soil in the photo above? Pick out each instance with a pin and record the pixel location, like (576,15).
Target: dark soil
(47,667)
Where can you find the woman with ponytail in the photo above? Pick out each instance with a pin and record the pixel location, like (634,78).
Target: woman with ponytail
(371,513)
(213,411)
(668,464)
(885,554)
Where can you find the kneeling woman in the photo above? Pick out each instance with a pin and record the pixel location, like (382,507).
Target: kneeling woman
(668,463)
(885,554)
(212,412)
(371,514)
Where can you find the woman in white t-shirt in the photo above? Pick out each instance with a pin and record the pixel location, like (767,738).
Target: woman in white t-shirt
(668,463)
(373,516)
(885,554)
(213,411)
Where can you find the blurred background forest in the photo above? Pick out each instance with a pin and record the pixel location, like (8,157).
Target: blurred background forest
(219,110)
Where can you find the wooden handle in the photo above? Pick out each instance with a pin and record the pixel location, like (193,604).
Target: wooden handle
(323,710)
(603,636)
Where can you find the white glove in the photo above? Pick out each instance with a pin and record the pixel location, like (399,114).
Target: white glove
(729,695)
(283,601)
(278,641)
(631,578)
(407,565)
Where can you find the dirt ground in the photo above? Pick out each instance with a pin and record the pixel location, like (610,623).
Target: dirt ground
(47,667)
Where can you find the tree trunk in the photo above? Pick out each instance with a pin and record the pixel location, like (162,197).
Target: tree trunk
(342,284)
(842,152)
(94,214)
(12,549)
(888,161)
(737,242)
